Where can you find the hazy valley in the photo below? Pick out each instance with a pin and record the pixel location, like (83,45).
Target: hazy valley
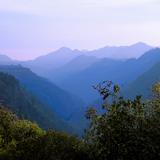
(56,90)
(64,80)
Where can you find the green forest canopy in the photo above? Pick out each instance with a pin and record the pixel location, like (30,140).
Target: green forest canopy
(126,129)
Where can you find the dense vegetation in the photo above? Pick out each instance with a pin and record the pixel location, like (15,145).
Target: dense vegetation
(125,129)
(24,140)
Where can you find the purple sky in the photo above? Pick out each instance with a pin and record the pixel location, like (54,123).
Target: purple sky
(29,28)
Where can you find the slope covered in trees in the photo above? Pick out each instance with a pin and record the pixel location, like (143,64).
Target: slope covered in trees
(127,129)
(23,140)
(25,105)
(65,105)
(143,84)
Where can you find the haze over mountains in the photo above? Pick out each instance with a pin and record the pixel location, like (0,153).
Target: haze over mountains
(143,84)
(63,104)
(121,72)
(121,52)
(47,63)
(63,80)
(25,105)
(4,59)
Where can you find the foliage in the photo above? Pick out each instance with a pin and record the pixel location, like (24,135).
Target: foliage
(59,146)
(6,120)
(24,140)
(127,129)
(15,133)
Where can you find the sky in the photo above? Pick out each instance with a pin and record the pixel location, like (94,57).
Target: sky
(30,28)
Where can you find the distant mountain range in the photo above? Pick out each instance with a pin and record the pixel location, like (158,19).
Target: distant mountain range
(119,71)
(121,52)
(43,65)
(76,71)
(5,59)
(76,65)
(70,74)
(49,63)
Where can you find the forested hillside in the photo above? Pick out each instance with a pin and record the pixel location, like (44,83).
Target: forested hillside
(25,105)
(126,129)
(65,105)
(143,84)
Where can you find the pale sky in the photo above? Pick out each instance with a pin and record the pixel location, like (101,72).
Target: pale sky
(29,28)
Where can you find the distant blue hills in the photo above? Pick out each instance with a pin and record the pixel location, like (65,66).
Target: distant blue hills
(63,79)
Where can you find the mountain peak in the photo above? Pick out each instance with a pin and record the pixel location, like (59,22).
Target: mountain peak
(141,44)
(152,53)
(64,49)
(4,58)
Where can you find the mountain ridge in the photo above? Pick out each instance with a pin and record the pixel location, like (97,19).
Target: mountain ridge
(120,72)
(62,103)
(25,105)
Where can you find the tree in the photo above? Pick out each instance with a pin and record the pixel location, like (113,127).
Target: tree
(127,129)
(60,146)
(6,121)
(17,137)
(25,134)
(24,140)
